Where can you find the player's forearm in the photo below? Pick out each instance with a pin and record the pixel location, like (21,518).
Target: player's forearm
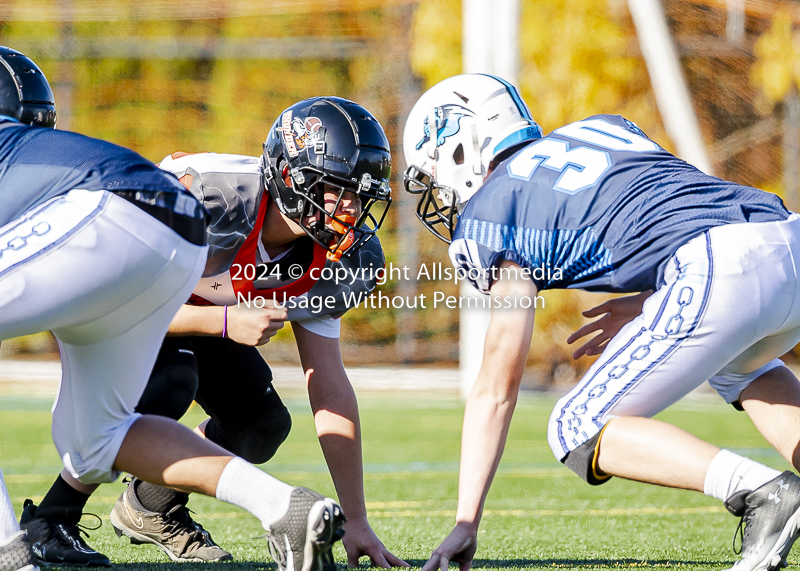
(195,320)
(335,409)
(340,438)
(486,422)
(491,402)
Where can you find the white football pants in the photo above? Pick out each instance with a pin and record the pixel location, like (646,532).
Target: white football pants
(729,308)
(106,278)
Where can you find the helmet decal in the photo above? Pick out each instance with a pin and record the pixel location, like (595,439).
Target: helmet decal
(448,123)
(306,133)
(286,129)
(299,134)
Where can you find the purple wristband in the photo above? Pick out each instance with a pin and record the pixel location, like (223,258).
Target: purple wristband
(225,321)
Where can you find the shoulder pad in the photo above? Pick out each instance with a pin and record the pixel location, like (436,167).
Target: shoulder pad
(357,276)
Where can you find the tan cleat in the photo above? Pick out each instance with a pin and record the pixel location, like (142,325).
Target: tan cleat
(174,532)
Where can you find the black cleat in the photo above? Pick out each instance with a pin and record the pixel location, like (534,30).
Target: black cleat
(16,554)
(302,539)
(771,522)
(55,537)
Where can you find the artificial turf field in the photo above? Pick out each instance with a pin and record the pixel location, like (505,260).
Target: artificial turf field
(538,513)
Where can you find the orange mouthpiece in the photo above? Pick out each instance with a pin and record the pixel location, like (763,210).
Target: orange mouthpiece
(349,236)
(348,241)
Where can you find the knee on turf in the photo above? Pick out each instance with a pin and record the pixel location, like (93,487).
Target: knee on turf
(259,440)
(583,461)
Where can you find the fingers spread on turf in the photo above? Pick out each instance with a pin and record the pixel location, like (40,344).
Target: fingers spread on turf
(379,561)
(432,564)
(395,561)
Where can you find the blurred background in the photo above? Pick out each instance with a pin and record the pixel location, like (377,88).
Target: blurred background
(212,75)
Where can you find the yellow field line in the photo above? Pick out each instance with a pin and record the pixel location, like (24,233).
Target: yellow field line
(553,513)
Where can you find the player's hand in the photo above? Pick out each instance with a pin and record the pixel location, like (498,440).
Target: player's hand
(616,314)
(459,546)
(360,540)
(250,326)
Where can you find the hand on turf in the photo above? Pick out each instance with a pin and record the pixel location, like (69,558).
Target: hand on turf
(253,327)
(359,540)
(616,314)
(459,546)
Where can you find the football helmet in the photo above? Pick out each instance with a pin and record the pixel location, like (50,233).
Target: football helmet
(475,118)
(25,94)
(335,145)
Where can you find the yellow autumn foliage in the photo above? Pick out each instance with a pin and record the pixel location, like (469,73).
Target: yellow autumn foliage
(778,59)
(576,59)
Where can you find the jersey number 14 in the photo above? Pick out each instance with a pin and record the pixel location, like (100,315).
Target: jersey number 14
(580,167)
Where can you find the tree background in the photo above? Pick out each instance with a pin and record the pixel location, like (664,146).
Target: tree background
(199,75)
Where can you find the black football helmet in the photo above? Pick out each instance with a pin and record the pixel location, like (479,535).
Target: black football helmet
(25,94)
(333,143)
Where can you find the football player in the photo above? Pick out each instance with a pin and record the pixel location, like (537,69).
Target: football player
(597,205)
(294,228)
(101,247)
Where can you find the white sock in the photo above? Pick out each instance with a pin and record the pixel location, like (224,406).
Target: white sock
(8,519)
(252,489)
(730,473)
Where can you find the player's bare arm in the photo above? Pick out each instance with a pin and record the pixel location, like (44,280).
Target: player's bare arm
(487,416)
(615,314)
(335,409)
(248,326)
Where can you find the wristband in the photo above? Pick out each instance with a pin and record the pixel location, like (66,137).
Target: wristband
(224,321)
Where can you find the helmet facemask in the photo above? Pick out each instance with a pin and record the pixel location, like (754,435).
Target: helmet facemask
(341,234)
(436,208)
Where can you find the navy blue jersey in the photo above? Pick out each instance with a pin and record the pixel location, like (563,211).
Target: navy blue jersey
(38,164)
(596,205)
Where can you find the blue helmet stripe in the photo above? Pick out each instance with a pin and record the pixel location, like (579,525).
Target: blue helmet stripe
(530,133)
(512,91)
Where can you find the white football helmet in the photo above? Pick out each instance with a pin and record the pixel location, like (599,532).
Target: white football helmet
(476,118)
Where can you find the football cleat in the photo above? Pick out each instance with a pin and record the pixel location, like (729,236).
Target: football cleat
(770,523)
(55,536)
(174,532)
(16,554)
(302,539)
